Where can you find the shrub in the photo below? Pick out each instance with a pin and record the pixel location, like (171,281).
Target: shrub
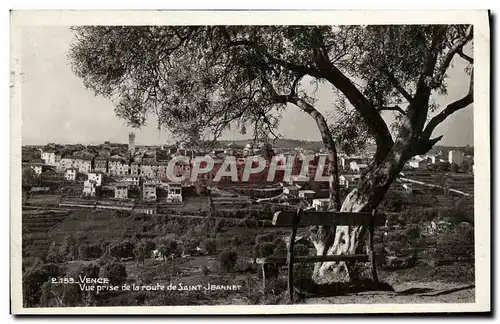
(115,272)
(300,250)
(263,250)
(412,232)
(168,247)
(456,244)
(35,278)
(123,249)
(228,260)
(262,238)
(236,241)
(210,246)
(204,270)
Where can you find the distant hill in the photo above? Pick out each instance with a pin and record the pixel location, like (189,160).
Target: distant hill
(281,143)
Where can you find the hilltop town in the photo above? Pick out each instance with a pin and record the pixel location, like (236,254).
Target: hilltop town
(115,204)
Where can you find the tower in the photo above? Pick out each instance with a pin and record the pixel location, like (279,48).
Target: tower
(131,142)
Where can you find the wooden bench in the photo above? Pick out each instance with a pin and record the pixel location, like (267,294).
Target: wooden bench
(302,218)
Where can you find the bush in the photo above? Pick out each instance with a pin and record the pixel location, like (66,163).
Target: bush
(115,272)
(210,246)
(204,270)
(228,260)
(300,250)
(248,222)
(168,247)
(412,232)
(236,241)
(263,250)
(35,278)
(263,238)
(123,249)
(456,244)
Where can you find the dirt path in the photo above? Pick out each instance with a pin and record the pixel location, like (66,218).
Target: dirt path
(411,292)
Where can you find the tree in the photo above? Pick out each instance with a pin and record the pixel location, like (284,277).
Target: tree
(115,272)
(167,248)
(200,80)
(228,260)
(29,177)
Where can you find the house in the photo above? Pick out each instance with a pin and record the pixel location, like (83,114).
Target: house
(357,167)
(321,204)
(417,164)
(41,190)
(70,174)
(132,180)
(431,159)
(349,180)
(101,164)
(96,176)
(291,190)
(121,191)
(145,209)
(174,192)
(135,168)
(148,169)
(117,166)
(149,191)
(306,194)
(37,167)
(456,157)
(50,157)
(66,163)
(89,188)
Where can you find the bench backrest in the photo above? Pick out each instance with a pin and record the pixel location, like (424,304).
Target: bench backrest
(308,218)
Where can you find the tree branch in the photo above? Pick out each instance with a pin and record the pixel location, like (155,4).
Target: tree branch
(394,108)
(450,109)
(465,56)
(398,86)
(456,49)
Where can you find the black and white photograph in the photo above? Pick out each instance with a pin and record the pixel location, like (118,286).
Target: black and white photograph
(315,162)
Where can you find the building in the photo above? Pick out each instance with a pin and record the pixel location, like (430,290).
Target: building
(37,167)
(321,204)
(131,143)
(89,188)
(148,170)
(101,164)
(145,209)
(117,166)
(456,157)
(66,163)
(50,157)
(291,190)
(96,176)
(70,174)
(121,191)
(132,180)
(149,191)
(306,194)
(174,192)
(417,164)
(84,165)
(135,168)
(357,167)
(349,180)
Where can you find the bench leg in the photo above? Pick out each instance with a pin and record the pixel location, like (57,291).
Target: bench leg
(263,276)
(374,268)
(371,253)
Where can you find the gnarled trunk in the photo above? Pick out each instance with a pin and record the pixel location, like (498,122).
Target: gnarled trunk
(350,239)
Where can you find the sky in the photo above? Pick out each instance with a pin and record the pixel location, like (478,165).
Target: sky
(57,108)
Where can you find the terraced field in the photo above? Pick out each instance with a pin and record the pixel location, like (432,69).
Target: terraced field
(35,228)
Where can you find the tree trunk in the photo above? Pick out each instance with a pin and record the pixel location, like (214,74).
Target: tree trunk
(350,239)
